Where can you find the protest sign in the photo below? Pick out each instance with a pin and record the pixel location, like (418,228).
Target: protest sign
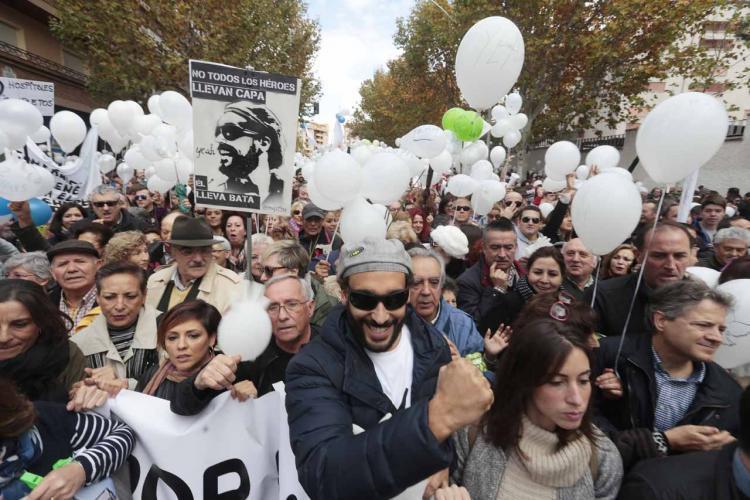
(232,449)
(244,137)
(40,94)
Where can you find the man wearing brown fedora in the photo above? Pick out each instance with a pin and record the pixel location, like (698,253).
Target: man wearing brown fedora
(193,274)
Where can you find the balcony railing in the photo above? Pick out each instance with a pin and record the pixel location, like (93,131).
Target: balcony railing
(736,131)
(586,145)
(40,62)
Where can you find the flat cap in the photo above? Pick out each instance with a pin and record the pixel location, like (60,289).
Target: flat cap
(311,210)
(374,255)
(72,246)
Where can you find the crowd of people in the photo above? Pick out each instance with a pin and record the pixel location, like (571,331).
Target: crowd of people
(484,357)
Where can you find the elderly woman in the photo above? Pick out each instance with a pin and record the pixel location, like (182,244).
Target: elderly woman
(453,245)
(295,222)
(128,246)
(34,349)
(32,266)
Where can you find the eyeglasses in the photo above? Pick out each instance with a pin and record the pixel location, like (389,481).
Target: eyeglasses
(291,307)
(296,212)
(559,310)
(533,220)
(189,251)
(141,197)
(463,209)
(100,204)
(516,203)
(367,301)
(269,271)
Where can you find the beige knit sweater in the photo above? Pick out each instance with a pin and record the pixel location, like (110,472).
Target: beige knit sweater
(543,468)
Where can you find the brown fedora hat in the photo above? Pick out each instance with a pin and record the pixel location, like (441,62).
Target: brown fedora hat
(191,232)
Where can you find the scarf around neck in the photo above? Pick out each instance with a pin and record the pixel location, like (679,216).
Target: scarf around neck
(169,371)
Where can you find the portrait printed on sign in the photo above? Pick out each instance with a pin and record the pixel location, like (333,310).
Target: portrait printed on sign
(244,138)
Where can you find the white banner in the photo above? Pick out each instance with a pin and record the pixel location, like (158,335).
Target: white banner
(40,94)
(233,448)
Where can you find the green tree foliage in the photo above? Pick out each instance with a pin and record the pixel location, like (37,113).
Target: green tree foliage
(136,47)
(587,62)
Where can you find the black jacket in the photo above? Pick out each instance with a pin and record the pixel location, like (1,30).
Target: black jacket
(710,262)
(475,299)
(629,420)
(613,298)
(331,385)
(704,475)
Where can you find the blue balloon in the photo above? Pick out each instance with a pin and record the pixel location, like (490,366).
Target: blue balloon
(341,118)
(4,210)
(41,213)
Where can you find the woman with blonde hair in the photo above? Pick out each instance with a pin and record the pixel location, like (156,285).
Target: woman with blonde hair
(619,262)
(402,231)
(128,246)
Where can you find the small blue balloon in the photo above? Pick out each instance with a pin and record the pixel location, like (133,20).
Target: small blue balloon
(4,210)
(41,213)
(341,118)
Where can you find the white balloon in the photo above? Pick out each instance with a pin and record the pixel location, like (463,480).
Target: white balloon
(603,157)
(360,220)
(680,135)
(442,163)
(605,211)
(149,172)
(551,185)
(307,170)
(68,129)
(166,169)
(175,109)
(735,346)
(501,128)
(519,121)
(107,163)
(488,193)
(453,144)
(236,339)
(385,177)
(338,176)
(582,172)
(546,208)
(145,124)
(135,158)
(474,152)
(153,105)
(4,141)
(21,116)
(185,169)
(41,135)
(125,172)
(425,141)
(462,185)
(42,180)
(561,159)
(482,170)
(362,153)
(120,116)
(511,139)
(499,113)
(705,274)
(618,171)
(513,103)
(185,146)
(488,61)
(97,116)
(16,178)
(416,165)
(497,156)
(149,147)
(156,184)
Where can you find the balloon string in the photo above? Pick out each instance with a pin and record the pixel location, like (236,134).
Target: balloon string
(596,281)
(647,243)
(333,238)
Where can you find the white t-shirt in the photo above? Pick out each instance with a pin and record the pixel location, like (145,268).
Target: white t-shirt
(394,369)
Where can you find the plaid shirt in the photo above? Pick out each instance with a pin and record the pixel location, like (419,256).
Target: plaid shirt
(674,395)
(88,302)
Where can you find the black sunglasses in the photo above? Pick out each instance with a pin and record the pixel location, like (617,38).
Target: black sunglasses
(463,209)
(367,301)
(296,212)
(232,132)
(533,220)
(100,204)
(516,203)
(141,197)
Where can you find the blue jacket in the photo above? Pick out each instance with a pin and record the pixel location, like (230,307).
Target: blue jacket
(331,384)
(460,328)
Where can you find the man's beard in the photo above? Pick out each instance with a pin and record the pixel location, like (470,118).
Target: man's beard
(239,165)
(359,332)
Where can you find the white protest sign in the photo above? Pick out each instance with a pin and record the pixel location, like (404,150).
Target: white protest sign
(40,94)
(244,137)
(230,448)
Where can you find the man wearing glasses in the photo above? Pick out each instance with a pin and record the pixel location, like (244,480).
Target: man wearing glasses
(528,226)
(109,210)
(250,152)
(145,201)
(374,399)
(194,274)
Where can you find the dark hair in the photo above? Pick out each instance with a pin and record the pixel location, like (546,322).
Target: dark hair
(225,215)
(547,252)
(606,273)
(17,413)
(53,324)
(535,354)
(714,199)
(447,198)
(198,310)
(450,284)
(135,188)
(103,232)
(55,225)
(739,268)
(527,208)
(121,267)
(580,316)
(640,238)
(500,224)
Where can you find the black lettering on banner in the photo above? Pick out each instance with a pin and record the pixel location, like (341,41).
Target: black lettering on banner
(134,468)
(181,490)
(213,473)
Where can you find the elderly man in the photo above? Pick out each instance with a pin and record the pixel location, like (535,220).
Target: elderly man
(220,250)
(729,243)
(314,238)
(32,266)
(376,368)
(579,267)
(157,251)
(664,256)
(73,264)
(109,210)
(426,299)
(250,152)
(672,397)
(194,274)
(290,308)
(480,286)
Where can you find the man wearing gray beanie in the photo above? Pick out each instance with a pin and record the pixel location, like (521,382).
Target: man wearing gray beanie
(373,400)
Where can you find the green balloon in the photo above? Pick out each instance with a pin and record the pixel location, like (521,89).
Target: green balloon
(468,126)
(450,116)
